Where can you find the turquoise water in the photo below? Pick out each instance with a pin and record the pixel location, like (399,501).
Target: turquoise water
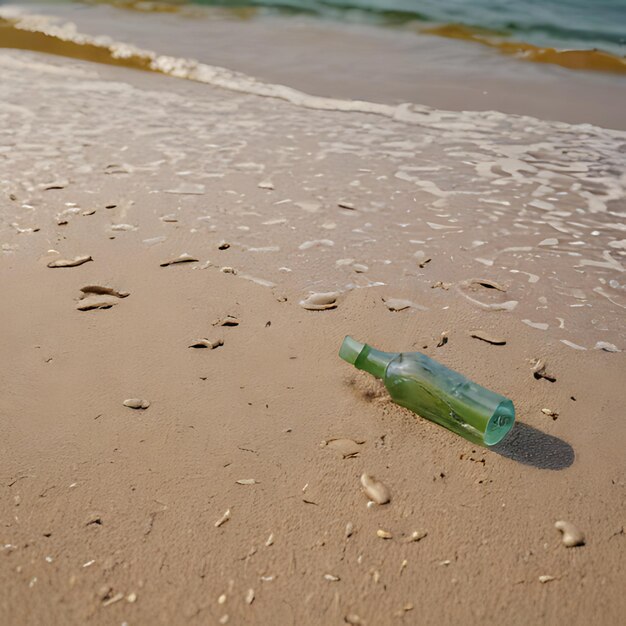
(562,24)
(580,24)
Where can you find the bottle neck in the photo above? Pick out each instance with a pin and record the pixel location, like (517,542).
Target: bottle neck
(365,357)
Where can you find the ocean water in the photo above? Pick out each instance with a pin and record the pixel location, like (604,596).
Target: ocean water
(580,24)
(560,24)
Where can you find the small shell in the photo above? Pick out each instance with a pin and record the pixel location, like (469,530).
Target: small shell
(207,343)
(349,530)
(131,597)
(320,301)
(103,291)
(539,371)
(246,481)
(331,578)
(183,258)
(545,579)
(136,403)
(78,260)
(250,596)
(383,534)
(572,536)
(270,540)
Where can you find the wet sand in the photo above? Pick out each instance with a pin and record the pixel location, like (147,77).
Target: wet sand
(361,62)
(221,501)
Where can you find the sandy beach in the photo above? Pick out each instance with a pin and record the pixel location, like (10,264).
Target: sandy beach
(228,499)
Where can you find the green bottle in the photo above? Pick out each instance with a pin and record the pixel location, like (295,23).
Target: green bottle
(431,390)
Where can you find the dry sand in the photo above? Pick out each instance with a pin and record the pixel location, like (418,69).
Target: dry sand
(114,515)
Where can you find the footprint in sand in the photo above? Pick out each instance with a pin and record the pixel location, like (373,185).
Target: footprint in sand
(183,258)
(320,301)
(78,260)
(99,297)
(347,448)
(487,294)
(397,304)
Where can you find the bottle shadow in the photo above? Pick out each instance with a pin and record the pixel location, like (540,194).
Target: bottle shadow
(530,446)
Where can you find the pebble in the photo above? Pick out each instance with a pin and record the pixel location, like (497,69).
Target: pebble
(136,403)
(123,227)
(572,536)
(246,481)
(228,270)
(183,258)
(353,619)
(349,530)
(443,340)
(331,578)
(383,534)
(418,535)
(375,490)
(270,540)
(550,413)
(545,579)
(131,597)
(483,336)
(320,301)
(266,184)
(250,596)
(78,260)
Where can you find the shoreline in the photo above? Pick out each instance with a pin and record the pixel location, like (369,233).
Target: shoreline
(366,63)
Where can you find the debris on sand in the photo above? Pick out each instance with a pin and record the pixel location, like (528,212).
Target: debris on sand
(484,336)
(76,261)
(183,258)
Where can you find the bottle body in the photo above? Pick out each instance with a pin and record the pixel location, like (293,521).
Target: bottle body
(436,392)
(448,398)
